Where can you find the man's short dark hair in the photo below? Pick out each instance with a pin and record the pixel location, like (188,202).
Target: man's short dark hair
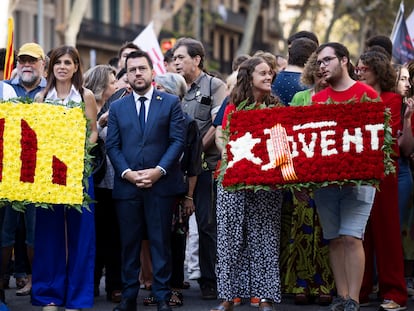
(120,73)
(113,61)
(127,45)
(137,54)
(303,34)
(381,40)
(300,50)
(340,52)
(168,56)
(194,48)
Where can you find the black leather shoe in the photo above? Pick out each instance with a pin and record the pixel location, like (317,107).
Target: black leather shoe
(208,292)
(163,306)
(126,305)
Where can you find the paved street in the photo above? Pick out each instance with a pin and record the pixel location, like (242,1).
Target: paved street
(192,302)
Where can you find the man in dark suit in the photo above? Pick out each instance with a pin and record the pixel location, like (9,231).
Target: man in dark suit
(145,141)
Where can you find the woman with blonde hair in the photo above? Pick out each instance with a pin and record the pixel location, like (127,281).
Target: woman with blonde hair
(101,81)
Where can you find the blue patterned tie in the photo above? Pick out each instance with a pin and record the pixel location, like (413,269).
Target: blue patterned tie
(142,113)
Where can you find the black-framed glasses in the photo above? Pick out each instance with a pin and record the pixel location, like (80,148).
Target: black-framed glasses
(325,61)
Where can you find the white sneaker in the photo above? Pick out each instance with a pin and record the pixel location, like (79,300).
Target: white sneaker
(195,275)
(391,305)
(50,308)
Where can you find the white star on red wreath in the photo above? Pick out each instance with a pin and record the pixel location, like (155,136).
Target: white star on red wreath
(241,148)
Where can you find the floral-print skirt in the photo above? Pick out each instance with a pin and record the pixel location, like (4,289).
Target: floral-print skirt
(248,241)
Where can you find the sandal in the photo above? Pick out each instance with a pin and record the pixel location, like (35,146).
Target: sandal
(324,299)
(186,285)
(301,299)
(224,306)
(21,282)
(150,301)
(115,296)
(176,299)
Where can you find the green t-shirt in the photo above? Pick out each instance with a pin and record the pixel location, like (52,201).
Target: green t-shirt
(301,98)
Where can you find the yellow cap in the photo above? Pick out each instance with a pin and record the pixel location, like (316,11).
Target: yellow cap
(31,49)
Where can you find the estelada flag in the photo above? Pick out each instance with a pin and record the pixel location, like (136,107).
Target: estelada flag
(403,49)
(148,42)
(9,61)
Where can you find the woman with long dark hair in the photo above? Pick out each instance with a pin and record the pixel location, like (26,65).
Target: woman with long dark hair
(63,273)
(248,222)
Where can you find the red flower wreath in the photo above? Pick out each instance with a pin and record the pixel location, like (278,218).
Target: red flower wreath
(336,143)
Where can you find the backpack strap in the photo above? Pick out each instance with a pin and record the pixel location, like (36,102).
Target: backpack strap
(211,82)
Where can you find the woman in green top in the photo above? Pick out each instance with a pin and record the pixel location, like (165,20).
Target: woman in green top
(305,269)
(312,77)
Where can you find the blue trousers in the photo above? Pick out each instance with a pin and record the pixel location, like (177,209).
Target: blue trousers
(405,188)
(153,214)
(63,263)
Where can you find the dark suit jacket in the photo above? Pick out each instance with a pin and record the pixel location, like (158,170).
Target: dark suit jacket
(162,143)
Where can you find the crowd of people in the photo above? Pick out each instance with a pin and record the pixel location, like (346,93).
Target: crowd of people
(159,206)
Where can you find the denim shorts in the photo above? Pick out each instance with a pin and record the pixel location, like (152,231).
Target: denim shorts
(344,210)
(11,222)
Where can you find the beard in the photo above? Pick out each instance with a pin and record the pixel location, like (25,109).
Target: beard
(140,88)
(29,81)
(335,75)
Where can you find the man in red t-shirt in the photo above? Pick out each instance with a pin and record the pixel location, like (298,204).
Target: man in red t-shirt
(343,211)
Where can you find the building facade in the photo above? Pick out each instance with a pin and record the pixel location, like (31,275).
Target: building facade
(107,24)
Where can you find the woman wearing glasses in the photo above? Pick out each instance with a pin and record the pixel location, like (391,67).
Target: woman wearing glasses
(382,240)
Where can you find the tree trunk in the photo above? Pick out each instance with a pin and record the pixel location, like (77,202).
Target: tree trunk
(302,16)
(250,27)
(77,12)
(336,15)
(161,15)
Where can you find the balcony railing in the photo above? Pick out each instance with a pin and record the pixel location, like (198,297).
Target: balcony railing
(97,31)
(232,20)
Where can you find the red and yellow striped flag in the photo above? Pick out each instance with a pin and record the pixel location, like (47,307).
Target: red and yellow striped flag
(8,64)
